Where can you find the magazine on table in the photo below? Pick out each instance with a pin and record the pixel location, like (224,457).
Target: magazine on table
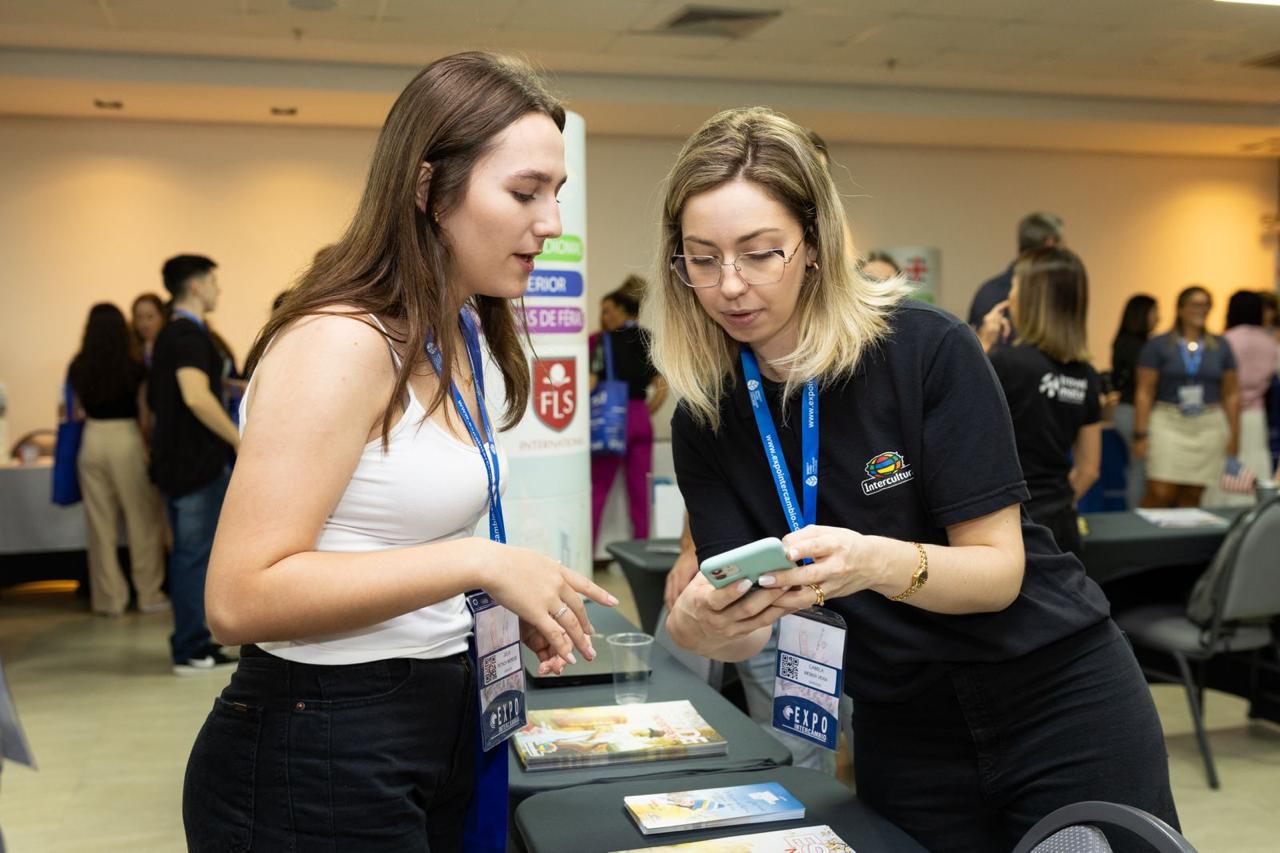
(713,807)
(556,738)
(806,839)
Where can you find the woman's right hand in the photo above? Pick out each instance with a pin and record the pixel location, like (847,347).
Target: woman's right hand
(995,328)
(1140,448)
(718,622)
(546,596)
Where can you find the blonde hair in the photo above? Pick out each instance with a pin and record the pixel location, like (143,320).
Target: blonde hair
(840,314)
(1052,301)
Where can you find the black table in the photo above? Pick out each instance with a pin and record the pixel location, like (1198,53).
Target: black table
(750,747)
(1123,544)
(593,819)
(645,563)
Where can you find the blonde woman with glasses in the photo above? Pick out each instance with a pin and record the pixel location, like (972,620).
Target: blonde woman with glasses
(990,686)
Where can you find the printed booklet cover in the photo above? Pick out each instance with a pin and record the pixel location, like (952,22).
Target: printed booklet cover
(712,807)
(555,738)
(807,839)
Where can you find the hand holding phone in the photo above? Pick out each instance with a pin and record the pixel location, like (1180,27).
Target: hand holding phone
(747,562)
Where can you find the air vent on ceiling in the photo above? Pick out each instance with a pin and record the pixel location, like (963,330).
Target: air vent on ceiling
(721,22)
(1270,61)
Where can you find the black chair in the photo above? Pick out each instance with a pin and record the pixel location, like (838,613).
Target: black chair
(1233,605)
(1072,829)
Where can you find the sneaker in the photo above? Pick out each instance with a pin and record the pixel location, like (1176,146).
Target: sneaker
(212,659)
(162,606)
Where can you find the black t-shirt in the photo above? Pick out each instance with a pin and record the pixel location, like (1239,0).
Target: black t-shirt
(925,403)
(1049,402)
(185,454)
(992,292)
(631,363)
(1124,364)
(119,406)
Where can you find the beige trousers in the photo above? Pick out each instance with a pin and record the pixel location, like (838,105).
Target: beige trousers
(113,479)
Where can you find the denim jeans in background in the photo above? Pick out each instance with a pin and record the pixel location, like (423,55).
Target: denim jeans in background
(194,519)
(988,749)
(372,757)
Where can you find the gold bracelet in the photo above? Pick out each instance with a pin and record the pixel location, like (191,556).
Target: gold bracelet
(919,578)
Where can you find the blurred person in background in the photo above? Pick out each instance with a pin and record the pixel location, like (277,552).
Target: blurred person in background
(1140,317)
(1186,406)
(619,312)
(1256,353)
(1034,230)
(1271,322)
(1052,390)
(879,266)
(106,378)
(191,450)
(149,313)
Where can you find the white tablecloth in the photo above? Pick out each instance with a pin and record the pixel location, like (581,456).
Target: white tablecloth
(29,520)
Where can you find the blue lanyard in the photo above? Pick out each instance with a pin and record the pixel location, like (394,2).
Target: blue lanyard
(183,312)
(773,449)
(488,449)
(1191,360)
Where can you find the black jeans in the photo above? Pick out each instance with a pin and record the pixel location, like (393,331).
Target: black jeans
(973,762)
(299,757)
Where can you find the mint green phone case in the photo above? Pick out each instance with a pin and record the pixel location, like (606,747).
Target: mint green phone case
(747,562)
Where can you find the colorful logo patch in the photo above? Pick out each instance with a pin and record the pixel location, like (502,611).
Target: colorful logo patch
(884,471)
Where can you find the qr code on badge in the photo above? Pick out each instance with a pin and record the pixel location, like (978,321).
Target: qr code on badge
(789,666)
(490,666)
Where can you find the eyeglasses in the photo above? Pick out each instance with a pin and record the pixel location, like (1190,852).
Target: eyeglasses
(763,267)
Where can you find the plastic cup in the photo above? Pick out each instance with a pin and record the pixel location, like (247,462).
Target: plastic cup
(630,667)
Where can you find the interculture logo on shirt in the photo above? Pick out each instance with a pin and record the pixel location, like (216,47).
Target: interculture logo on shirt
(884,471)
(1065,389)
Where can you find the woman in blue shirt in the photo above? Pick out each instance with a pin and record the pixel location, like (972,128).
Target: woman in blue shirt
(1187,406)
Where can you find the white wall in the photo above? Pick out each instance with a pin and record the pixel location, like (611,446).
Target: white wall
(90,209)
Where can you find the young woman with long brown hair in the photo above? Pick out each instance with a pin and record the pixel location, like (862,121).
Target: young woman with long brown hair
(346,541)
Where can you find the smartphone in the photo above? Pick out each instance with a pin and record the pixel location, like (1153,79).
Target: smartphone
(747,562)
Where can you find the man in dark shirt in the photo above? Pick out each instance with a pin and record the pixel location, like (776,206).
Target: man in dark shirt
(1035,230)
(191,451)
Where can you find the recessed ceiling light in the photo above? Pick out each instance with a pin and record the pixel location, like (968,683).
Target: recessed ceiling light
(108,105)
(284,111)
(1254,2)
(314,5)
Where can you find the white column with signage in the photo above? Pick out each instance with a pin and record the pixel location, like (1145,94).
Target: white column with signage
(548,497)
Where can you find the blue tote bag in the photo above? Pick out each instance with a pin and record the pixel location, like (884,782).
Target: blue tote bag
(609,410)
(66,480)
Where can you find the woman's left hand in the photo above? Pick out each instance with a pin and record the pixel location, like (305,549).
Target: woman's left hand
(548,661)
(844,562)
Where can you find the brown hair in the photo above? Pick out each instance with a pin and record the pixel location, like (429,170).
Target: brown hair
(392,259)
(1052,301)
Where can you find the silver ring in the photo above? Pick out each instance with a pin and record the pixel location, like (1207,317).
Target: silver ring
(560,612)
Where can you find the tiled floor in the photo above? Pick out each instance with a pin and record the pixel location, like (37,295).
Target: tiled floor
(111,727)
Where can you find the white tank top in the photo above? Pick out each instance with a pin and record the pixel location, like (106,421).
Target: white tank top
(427,487)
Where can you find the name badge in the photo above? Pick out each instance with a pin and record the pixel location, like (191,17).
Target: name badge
(809,676)
(1191,399)
(499,673)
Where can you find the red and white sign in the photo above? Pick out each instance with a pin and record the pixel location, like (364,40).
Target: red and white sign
(554,394)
